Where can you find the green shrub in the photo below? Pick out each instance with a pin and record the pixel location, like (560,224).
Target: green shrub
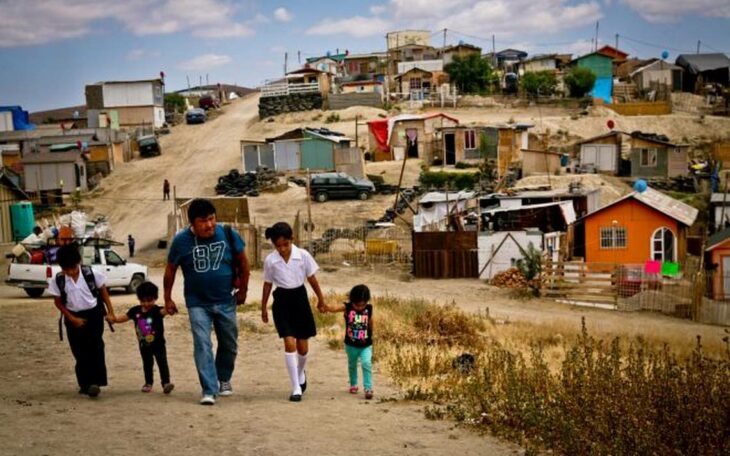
(465,165)
(580,81)
(454,181)
(332,118)
(541,83)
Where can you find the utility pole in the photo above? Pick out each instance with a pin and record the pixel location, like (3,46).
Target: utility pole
(444,46)
(299,57)
(188,78)
(617,41)
(286,57)
(494,53)
(387,70)
(698,46)
(596,48)
(207,81)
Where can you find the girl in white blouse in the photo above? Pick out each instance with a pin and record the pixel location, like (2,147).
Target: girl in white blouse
(288,267)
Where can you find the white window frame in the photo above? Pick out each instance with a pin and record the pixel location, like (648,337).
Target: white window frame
(613,237)
(470,141)
(658,254)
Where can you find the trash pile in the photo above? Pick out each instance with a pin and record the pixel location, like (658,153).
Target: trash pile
(41,245)
(511,278)
(249,184)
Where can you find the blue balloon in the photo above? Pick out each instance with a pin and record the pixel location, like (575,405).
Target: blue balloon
(640,186)
(665,54)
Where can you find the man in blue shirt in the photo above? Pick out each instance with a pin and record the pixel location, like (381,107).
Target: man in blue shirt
(211,258)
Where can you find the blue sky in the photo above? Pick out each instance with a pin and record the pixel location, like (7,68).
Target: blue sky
(49,49)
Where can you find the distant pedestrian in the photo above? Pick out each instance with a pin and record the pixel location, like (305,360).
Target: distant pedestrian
(166,190)
(130,244)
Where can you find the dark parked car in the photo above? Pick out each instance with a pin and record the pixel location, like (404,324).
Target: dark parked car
(339,185)
(194,116)
(208,102)
(148,146)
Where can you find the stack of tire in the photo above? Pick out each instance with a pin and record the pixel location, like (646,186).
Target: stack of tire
(248,184)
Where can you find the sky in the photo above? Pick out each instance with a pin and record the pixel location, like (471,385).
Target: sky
(50,49)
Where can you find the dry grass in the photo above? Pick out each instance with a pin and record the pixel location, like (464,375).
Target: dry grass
(554,386)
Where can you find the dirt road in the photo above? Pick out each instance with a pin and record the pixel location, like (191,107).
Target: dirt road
(41,413)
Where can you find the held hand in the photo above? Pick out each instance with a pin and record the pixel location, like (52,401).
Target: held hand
(170,307)
(77,322)
(241,297)
(111,318)
(265,315)
(322,307)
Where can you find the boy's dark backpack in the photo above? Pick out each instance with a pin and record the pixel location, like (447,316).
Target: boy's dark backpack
(236,257)
(88,275)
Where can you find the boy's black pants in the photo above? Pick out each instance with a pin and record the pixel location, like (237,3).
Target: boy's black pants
(149,353)
(87,346)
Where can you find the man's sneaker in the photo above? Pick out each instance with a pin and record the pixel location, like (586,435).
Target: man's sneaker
(168,387)
(93,390)
(226,389)
(207,399)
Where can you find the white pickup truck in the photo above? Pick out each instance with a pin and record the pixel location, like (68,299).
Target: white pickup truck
(33,278)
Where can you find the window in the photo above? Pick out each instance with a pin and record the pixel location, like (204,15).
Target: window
(469,140)
(648,157)
(415,83)
(112,259)
(662,245)
(613,237)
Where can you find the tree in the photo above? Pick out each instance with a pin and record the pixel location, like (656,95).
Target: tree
(173,101)
(539,83)
(580,81)
(471,74)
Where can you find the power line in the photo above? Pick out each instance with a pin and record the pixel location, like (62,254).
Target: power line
(657,46)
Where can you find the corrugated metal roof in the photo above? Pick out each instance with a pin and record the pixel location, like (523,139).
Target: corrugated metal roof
(658,201)
(718,238)
(719,198)
(698,63)
(441,197)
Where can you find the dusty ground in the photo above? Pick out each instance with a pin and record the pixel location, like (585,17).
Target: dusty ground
(38,400)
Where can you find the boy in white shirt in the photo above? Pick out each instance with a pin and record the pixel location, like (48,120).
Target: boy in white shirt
(79,293)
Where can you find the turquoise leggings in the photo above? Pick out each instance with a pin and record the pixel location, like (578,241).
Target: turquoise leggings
(365,355)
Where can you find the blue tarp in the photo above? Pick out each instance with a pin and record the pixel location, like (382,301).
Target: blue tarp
(602,89)
(21,119)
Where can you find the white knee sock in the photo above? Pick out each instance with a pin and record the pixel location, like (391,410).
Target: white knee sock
(302,362)
(291,366)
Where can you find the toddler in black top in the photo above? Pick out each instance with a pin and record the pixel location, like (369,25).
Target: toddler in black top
(150,329)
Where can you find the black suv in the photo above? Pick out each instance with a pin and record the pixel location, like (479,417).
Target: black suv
(339,185)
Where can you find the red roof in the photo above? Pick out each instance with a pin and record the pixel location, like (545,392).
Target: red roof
(612,52)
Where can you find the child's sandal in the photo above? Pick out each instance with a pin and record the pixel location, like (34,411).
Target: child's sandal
(353,390)
(146,388)
(368,394)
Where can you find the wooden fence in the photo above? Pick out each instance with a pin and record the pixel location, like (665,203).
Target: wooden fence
(592,283)
(442,255)
(646,108)
(275,90)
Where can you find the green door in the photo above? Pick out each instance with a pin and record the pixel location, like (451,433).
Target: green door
(317,154)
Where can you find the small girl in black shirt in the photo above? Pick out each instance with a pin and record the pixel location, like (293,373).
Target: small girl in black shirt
(358,313)
(150,331)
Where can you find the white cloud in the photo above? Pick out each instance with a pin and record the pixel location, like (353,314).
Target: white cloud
(205,62)
(283,15)
(357,26)
(32,22)
(506,18)
(664,11)
(260,19)
(138,54)
(278,49)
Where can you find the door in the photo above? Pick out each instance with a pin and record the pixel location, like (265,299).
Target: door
(116,273)
(412,142)
(588,155)
(250,157)
(726,277)
(266,156)
(606,159)
(450,148)
(286,154)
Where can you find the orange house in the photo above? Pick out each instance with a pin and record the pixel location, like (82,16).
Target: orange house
(641,226)
(718,247)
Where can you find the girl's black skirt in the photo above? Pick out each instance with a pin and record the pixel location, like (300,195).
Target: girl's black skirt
(292,313)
